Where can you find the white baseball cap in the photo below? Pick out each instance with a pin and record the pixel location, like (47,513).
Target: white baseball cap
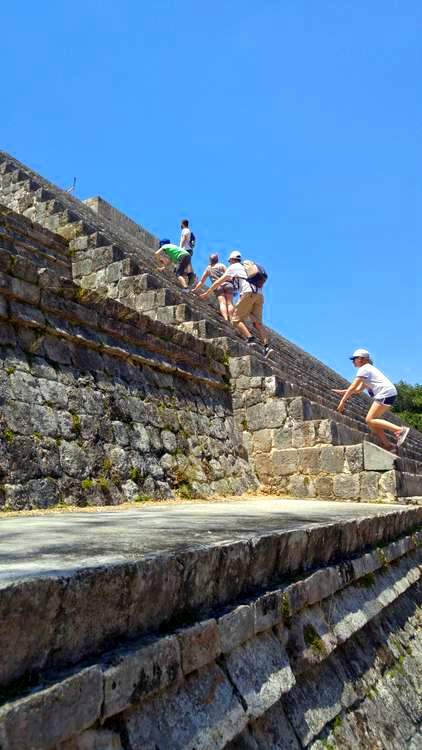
(361,353)
(235,255)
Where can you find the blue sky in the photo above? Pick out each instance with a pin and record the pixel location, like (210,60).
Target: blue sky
(288,129)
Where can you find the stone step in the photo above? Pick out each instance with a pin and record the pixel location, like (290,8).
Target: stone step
(174,314)
(111,276)
(203,328)
(350,472)
(89,261)
(151,300)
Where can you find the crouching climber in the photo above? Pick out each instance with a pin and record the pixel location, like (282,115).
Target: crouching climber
(168,254)
(384,393)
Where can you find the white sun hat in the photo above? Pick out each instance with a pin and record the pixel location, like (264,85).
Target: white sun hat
(361,353)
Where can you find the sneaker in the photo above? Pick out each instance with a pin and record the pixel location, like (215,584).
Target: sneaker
(267,351)
(252,342)
(403,435)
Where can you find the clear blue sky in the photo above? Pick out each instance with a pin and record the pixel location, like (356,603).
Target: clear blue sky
(288,129)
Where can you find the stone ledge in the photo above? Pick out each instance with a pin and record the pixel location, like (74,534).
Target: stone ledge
(196,579)
(146,680)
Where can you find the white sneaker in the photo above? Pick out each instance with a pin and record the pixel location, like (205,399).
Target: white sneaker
(403,435)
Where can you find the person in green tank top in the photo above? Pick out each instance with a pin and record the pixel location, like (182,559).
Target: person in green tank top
(168,254)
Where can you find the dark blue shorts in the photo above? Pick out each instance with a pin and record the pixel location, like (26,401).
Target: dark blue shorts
(389,401)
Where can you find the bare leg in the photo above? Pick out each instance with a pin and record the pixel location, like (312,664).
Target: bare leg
(378,426)
(222,302)
(260,329)
(182,281)
(242,329)
(229,302)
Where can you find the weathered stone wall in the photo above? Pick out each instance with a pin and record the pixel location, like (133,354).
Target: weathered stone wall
(101,405)
(325,649)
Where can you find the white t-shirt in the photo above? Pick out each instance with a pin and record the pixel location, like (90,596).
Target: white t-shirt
(185,238)
(376,382)
(237,271)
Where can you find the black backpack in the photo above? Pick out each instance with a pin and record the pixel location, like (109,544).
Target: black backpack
(256,274)
(192,242)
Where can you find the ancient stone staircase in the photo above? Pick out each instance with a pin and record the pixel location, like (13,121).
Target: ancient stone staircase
(312,449)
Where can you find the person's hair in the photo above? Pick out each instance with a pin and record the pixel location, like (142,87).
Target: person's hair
(185,222)
(213,259)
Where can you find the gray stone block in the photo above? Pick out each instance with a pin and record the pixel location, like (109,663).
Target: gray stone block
(236,627)
(376,458)
(346,486)
(199,645)
(140,672)
(53,715)
(203,714)
(261,672)
(332,459)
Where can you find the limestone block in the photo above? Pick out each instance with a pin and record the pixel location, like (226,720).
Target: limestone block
(346,486)
(369,485)
(310,639)
(354,458)
(268,610)
(321,584)
(273,386)
(376,458)
(236,627)
(327,431)
(263,464)
(130,490)
(261,672)
(303,705)
(169,441)
(37,493)
(310,460)
(53,715)
(44,419)
(199,645)
(268,415)
(284,462)
(262,441)
(203,714)
(282,438)
(303,435)
(74,459)
(324,487)
(388,485)
(332,459)
(138,673)
(300,485)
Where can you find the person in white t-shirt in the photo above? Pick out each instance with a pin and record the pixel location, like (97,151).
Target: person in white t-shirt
(384,393)
(185,236)
(185,244)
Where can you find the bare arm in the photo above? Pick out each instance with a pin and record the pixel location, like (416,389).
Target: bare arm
(357,390)
(356,387)
(202,280)
(225,277)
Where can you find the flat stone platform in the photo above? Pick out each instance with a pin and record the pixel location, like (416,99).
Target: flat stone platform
(62,543)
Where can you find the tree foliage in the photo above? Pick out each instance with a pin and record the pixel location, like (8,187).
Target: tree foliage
(408,405)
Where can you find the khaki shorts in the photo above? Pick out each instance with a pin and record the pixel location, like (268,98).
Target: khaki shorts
(249,305)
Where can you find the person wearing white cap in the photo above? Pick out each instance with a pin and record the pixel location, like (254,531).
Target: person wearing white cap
(250,304)
(382,390)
